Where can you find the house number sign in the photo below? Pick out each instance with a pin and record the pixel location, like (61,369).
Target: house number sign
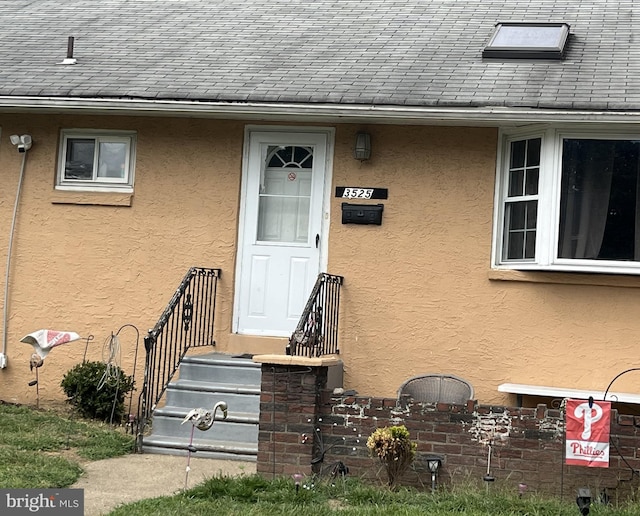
(359,192)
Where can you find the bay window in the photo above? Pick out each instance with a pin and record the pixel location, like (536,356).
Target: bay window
(569,201)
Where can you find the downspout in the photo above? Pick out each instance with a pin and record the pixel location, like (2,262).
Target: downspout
(24,144)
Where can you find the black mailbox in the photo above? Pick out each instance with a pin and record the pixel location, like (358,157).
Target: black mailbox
(362,213)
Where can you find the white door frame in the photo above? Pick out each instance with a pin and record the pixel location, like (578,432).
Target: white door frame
(329,132)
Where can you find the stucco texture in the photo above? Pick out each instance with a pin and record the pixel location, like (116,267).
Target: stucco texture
(417,296)
(415,288)
(93,268)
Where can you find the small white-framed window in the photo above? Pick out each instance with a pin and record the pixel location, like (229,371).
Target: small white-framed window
(569,199)
(96,160)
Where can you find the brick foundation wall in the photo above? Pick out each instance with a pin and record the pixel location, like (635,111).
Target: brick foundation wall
(299,418)
(289,404)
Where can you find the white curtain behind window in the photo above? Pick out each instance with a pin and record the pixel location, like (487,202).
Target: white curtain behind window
(587,196)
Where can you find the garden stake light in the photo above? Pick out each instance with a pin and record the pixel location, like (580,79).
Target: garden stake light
(297,477)
(488,478)
(522,489)
(584,500)
(433,462)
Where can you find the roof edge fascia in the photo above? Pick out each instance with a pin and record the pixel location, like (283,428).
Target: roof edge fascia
(485,115)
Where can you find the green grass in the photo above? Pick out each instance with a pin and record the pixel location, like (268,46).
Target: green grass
(34,445)
(21,469)
(253,495)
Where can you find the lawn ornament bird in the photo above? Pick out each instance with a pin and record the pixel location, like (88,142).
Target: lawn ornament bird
(35,361)
(43,341)
(202,419)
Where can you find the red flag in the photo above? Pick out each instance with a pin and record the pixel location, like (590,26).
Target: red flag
(587,433)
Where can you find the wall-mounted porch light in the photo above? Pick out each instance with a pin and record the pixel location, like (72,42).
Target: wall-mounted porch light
(433,463)
(362,149)
(584,500)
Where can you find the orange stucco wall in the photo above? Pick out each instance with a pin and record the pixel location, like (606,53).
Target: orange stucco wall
(415,288)
(417,296)
(91,269)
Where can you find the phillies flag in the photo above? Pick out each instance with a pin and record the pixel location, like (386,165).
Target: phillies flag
(587,431)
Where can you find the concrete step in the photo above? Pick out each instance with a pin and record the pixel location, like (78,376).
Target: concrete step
(190,394)
(167,423)
(220,368)
(203,381)
(204,448)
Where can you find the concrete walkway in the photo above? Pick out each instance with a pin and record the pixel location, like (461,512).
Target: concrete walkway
(112,482)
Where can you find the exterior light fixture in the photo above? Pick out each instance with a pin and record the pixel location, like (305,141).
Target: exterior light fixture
(22,142)
(362,149)
(488,477)
(297,477)
(584,500)
(433,463)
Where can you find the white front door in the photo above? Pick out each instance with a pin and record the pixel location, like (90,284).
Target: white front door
(280,252)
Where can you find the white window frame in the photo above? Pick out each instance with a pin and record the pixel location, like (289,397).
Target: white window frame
(102,184)
(523,40)
(549,192)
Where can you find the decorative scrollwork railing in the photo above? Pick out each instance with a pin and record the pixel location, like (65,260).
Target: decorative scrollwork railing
(317,331)
(187,322)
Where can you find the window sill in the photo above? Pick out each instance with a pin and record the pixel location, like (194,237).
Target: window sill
(561,392)
(566,278)
(92,198)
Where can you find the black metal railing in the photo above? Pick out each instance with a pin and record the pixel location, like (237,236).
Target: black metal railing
(187,322)
(317,331)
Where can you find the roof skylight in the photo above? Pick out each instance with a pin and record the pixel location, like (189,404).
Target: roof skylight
(528,40)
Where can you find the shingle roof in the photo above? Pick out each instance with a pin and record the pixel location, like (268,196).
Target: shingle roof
(383,52)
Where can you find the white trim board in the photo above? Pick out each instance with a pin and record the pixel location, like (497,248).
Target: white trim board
(307,112)
(560,392)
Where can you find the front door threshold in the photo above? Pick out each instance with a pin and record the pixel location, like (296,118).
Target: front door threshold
(257,344)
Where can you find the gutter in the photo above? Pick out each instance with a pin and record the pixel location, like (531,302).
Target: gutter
(312,112)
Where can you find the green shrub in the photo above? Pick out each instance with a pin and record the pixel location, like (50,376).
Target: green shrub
(97,390)
(393,447)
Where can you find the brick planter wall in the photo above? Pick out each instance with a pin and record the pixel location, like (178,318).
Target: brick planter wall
(299,418)
(289,404)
